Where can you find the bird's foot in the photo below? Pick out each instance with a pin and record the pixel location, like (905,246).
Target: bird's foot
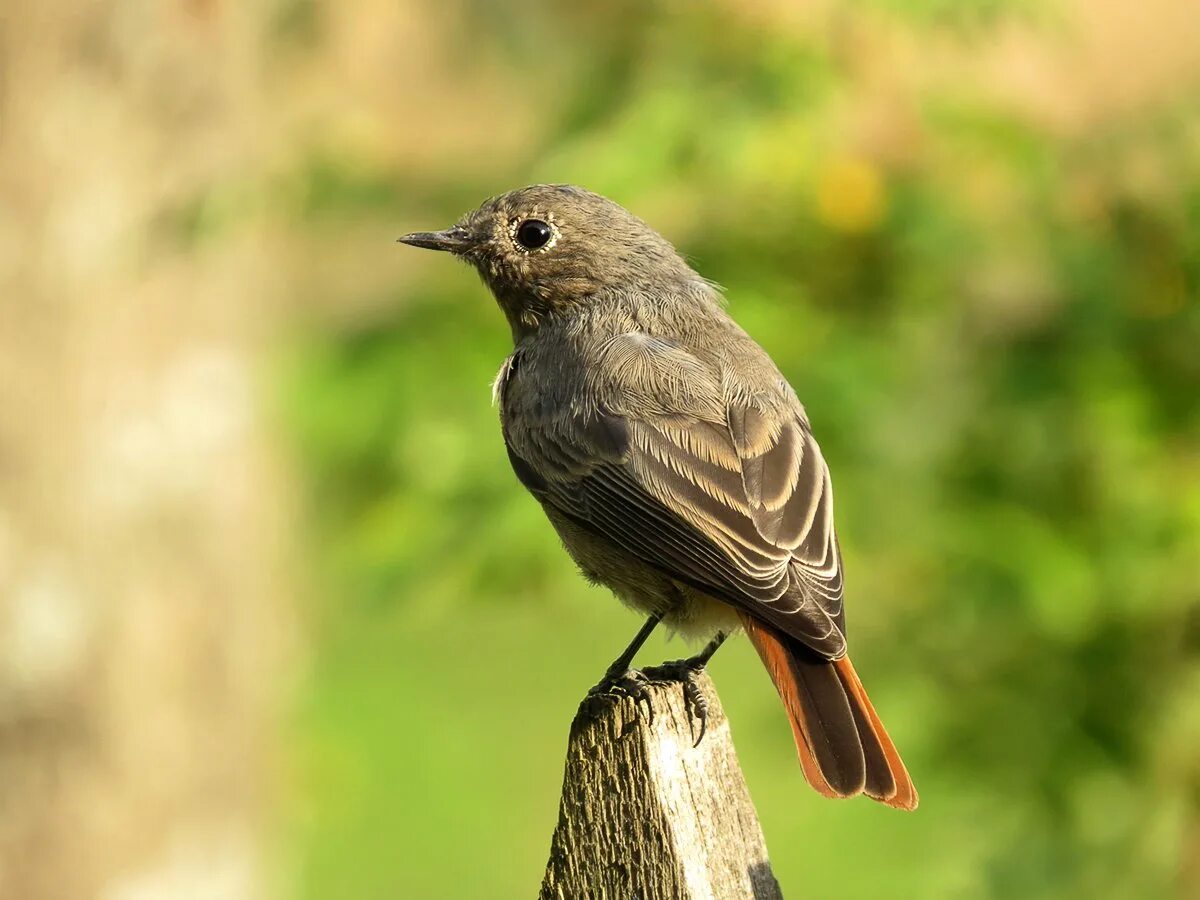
(687,673)
(631,683)
(635,683)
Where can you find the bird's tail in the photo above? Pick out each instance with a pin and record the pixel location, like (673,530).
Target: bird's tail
(844,749)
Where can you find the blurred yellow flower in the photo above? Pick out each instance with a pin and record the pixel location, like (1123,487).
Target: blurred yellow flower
(850,195)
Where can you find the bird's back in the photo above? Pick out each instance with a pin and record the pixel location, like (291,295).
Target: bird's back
(642,354)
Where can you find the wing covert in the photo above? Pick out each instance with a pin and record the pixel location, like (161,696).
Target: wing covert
(741,508)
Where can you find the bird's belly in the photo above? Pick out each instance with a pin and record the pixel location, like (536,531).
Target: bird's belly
(684,609)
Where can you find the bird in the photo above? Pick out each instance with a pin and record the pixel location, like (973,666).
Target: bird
(675,461)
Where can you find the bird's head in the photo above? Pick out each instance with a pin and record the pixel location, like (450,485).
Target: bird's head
(549,248)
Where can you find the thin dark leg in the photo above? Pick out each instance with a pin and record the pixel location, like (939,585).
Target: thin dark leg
(692,663)
(621,663)
(621,678)
(700,660)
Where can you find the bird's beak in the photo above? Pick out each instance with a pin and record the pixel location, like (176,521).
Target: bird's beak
(453,240)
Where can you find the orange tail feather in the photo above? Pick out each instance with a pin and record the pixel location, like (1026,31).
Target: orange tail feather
(843,747)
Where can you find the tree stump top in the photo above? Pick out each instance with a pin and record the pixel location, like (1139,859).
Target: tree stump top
(646,815)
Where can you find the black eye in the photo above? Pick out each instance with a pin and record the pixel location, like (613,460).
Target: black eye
(533,233)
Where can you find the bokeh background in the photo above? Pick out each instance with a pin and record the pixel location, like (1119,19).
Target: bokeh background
(276,620)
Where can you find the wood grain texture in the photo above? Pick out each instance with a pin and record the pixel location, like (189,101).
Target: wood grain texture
(646,815)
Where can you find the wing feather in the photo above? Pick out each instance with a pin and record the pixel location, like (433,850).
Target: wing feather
(741,508)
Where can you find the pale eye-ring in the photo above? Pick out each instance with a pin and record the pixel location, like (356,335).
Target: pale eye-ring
(533,233)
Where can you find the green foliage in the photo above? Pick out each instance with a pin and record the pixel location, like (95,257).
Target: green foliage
(997,336)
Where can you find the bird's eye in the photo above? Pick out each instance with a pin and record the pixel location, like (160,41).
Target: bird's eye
(533,233)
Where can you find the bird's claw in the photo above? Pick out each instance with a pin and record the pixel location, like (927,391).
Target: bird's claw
(634,683)
(687,673)
(631,683)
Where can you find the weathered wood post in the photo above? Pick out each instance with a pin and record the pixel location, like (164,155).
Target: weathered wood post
(646,815)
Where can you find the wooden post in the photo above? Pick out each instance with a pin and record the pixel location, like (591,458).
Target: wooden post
(646,815)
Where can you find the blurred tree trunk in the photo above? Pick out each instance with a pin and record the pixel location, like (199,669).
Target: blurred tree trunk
(140,634)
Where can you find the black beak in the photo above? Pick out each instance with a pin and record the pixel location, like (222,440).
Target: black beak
(453,240)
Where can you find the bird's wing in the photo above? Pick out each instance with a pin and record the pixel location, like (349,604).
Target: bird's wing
(741,508)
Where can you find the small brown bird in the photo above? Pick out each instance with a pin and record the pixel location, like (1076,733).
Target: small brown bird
(675,462)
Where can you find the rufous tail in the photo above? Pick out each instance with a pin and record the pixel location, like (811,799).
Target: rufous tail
(843,747)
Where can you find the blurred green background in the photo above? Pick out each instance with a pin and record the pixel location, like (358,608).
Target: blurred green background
(254,485)
(979,271)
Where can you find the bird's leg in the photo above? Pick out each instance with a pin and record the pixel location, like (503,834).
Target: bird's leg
(621,678)
(687,672)
(621,663)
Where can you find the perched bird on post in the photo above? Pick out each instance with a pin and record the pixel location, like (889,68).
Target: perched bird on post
(675,462)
